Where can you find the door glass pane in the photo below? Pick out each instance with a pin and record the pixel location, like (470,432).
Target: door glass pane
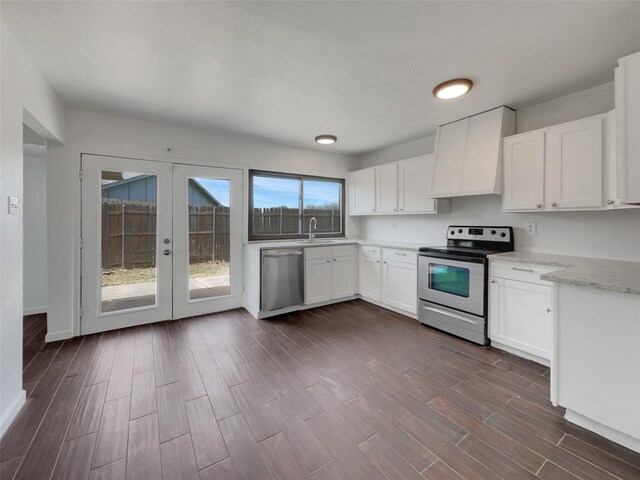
(276,206)
(128,240)
(321,200)
(209,241)
(448,279)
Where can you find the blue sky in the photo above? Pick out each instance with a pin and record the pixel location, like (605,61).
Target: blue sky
(217,188)
(276,192)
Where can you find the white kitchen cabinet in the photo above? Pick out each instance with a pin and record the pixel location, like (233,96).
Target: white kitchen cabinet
(468,157)
(400,280)
(387,188)
(574,163)
(362,192)
(521,311)
(370,271)
(627,88)
(395,188)
(329,273)
(563,167)
(524,172)
(413,190)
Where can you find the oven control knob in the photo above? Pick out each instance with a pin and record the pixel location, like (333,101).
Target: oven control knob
(493,232)
(503,234)
(460,230)
(453,232)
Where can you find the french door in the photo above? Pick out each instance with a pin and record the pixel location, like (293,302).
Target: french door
(160,241)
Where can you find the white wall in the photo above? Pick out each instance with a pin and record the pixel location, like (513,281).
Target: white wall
(607,234)
(35,230)
(25,98)
(97,133)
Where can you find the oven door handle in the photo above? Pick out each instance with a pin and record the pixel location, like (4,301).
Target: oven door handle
(447,313)
(459,258)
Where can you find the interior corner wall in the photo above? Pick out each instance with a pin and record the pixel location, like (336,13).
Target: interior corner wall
(25,97)
(35,233)
(604,234)
(104,134)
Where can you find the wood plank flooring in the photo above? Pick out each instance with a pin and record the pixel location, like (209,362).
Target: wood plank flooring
(345,391)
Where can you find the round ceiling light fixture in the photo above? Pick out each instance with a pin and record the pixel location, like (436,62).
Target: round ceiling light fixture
(452,88)
(326,139)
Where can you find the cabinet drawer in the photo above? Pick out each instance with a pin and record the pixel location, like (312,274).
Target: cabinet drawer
(403,256)
(367,251)
(342,251)
(520,271)
(311,253)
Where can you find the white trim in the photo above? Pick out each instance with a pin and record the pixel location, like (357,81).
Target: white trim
(34,310)
(61,335)
(520,353)
(607,432)
(12,411)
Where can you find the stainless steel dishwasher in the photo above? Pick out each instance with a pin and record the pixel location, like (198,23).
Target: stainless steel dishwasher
(282,279)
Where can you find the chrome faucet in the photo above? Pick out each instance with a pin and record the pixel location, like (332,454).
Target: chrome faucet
(313,222)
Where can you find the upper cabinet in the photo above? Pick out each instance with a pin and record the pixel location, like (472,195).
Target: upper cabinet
(468,157)
(628,128)
(571,166)
(362,192)
(394,188)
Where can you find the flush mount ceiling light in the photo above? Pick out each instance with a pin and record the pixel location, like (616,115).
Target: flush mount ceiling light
(326,139)
(452,88)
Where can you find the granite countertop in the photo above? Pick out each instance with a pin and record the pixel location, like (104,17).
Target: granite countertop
(613,275)
(342,241)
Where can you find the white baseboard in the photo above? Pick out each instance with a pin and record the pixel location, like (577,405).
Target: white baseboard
(10,414)
(34,310)
(60,335)
(520,353)
(607,432)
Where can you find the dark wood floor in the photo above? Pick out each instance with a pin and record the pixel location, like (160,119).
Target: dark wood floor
(345,391)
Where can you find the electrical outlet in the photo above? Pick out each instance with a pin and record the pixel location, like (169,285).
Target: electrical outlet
(531,228)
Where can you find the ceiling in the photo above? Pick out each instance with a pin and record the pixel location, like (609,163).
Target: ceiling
(288,71)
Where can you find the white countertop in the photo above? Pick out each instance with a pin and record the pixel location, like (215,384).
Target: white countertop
(342,241)
(613,275)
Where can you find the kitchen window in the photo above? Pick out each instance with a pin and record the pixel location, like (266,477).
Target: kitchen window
(281,206)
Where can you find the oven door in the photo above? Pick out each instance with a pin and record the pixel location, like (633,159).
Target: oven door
(458,284)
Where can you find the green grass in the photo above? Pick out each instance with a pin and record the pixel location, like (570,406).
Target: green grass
(122,276)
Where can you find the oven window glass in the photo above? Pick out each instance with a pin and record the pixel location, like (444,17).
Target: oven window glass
(448,279)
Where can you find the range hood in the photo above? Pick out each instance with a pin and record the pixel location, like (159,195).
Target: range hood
(468,156)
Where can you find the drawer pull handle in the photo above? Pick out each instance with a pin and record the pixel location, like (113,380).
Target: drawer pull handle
(493,281)
(402,254)
(539,205)
(528,270)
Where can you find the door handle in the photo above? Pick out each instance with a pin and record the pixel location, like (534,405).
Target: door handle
(275,255)
(166,252)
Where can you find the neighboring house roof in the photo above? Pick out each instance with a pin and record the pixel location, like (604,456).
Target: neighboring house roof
(143,188)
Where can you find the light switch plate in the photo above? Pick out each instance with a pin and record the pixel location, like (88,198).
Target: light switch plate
(13,205)
(531,228)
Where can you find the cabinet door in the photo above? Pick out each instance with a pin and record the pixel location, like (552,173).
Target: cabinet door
(400,285)
(414,185)
(450,145)
(574,164)
(369,278)
(344,284)
(362,192)
(526,317)
(387,188)
(628,113)
(524,172)
(317,280)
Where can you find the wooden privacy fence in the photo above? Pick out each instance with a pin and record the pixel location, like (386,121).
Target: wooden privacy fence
(129,234)
(281,220)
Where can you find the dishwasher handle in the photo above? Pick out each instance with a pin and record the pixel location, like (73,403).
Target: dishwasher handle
(275,255)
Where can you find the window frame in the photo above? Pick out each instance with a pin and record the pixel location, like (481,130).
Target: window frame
(266,173)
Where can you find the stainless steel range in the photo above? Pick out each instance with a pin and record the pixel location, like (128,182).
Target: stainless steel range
(452,280)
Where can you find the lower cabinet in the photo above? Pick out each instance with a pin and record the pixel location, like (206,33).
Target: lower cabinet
(521,311)
(329,273)
(390,277)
